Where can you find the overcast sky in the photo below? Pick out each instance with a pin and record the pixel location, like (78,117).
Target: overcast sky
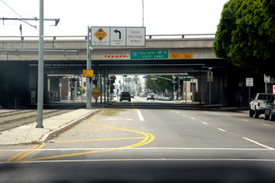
(161,16)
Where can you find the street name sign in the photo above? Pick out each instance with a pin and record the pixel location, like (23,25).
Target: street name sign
(149,54)
(118,36)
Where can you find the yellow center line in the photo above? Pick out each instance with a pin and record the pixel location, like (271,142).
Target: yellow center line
(88,140)
(28,153)
(148,138)
(19,154)
(87,130)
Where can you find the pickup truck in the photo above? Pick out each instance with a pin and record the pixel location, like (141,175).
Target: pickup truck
(258,105)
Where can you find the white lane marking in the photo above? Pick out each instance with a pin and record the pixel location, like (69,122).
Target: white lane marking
(193,118)
(177,112)
(149,148)
(156,159)
(244,119)
(140,115)
(221,129)
(267,125)
(253,141)
(183,115)
(205,123)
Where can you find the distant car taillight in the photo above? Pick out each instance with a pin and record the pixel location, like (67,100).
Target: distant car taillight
(259,103)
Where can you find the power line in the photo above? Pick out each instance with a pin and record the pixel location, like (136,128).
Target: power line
(23,20)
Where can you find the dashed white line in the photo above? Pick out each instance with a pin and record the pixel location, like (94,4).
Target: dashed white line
(183,115)
(193,118)
(244,119)
(205,123)
(267,125)
(221,129)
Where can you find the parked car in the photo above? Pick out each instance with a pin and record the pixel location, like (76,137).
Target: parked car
(151,96)
(160,97)
(132,96)
(270,110)
(166,97)
(259,104)
(125,96)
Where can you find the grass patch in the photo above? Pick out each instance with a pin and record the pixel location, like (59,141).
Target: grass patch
(112,112)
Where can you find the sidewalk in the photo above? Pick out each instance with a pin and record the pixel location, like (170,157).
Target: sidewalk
(30,134)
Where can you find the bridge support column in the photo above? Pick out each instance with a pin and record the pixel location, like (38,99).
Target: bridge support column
(100,79)
(54,90)
(104,84)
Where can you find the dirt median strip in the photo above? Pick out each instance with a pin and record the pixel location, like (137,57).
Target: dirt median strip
(67,126)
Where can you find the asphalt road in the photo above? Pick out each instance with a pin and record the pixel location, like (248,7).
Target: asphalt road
(150,145)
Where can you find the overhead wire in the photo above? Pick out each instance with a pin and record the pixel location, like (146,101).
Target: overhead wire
(47,41)
(18,15)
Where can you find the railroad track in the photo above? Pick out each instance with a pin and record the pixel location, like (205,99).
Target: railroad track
(13,118)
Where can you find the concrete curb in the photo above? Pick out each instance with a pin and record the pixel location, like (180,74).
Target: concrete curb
(50,134)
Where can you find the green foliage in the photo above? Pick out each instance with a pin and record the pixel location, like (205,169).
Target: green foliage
(246,34)
(160,84)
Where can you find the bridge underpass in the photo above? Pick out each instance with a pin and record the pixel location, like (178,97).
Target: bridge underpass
(18,63)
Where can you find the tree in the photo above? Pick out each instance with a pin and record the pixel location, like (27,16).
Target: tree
(246,34)
(160,84)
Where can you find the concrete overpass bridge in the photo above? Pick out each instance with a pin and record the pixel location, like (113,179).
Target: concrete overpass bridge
(163,54)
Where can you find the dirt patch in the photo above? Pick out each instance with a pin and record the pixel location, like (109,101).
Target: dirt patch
(112,112)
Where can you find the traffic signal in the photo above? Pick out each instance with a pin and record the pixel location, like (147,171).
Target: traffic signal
(112,78)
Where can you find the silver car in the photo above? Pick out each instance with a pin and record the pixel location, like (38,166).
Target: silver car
(270,111)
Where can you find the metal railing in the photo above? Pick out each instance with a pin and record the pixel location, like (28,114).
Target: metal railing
(79,37)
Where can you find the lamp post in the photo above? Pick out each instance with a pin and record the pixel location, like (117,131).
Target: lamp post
(142,1)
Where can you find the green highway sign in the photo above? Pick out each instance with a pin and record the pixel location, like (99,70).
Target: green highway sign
(186,79)
(149,54)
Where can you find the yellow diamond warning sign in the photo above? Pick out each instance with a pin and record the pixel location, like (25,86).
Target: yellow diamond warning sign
(96,93)
(100,34)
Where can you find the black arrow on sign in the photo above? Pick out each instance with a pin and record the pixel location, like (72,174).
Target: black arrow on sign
(117,31)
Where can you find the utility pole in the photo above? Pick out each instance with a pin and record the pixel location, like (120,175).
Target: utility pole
(40,95)
(89,67)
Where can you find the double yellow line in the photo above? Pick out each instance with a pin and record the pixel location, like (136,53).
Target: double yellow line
(20,156)
(147,138)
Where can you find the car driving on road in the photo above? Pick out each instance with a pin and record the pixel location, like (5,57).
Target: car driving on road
(125,96)
(151,96)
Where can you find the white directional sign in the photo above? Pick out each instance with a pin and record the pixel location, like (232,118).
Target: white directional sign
(249,81)
(266,79)
(118,36)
